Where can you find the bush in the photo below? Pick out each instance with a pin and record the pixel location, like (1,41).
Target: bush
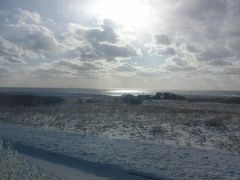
(167,95)
(130,99)
(214,122)
(158,95)
(14,166)
(144,97)
(158,131)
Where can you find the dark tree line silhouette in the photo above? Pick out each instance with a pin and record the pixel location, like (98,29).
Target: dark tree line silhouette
(29,100)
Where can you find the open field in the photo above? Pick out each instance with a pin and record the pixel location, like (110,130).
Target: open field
(121,158)
(92,136)
(181,123)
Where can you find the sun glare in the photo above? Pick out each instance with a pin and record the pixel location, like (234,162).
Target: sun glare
(130,13)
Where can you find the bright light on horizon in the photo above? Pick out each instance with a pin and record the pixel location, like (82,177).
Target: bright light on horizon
(133,13)
(126,91)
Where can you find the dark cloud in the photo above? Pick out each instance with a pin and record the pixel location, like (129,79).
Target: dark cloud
(204,32)
(220,62)
(232,71)
(169,51)
(42,41)
(162,39)
(215,54)
(125,68)
(103,51)
(105,33)
(99,43)
(178,64)
(203,9)
(192,48)
(112,51)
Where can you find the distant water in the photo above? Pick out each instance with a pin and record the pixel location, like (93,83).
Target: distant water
(110,92)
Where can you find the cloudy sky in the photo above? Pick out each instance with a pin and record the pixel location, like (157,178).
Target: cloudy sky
(152,44)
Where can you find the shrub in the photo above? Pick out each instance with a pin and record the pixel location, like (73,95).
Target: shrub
(144,97)
(130,99)
(158,95)
(216,122)
(89,101)
(14,166)
(167,95)
(158,131)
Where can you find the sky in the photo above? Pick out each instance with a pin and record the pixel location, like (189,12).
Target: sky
(137,44)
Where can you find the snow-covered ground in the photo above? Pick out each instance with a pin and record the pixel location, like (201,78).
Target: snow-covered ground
(165,139)
(14,166)
(61,170)
(180,123)
(155,159)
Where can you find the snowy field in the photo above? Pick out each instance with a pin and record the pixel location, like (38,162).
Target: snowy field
(180,123)
(153,161)
(14,166)
(161,139)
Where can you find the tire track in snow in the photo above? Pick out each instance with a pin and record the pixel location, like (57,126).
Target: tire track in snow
(102,171)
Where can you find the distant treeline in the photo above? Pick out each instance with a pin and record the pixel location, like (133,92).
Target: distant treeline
(226,100)
(29,100)
(162,95)
(131,99)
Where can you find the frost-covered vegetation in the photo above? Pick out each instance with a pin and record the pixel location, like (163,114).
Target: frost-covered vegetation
(14,166)
(151,159)
(178,122)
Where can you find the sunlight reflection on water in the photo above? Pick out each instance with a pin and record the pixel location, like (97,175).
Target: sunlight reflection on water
(118,92)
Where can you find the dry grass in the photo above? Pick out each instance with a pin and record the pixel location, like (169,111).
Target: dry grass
(13,166)
(176,122)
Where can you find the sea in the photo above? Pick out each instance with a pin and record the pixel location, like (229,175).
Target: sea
(111,92)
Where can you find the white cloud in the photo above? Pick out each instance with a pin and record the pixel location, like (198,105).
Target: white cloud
(34,37)
(189,40)
(10,52)
(25,16)
(101,42)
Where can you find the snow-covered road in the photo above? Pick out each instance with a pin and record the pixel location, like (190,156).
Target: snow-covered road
(75,168)
(62,171)
(153,160)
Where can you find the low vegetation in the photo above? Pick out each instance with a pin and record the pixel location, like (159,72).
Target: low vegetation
(162,95)
(184,123)
(130,99)
(29,100)
(225,100)
(14,166)
(215,122)
(145,117)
